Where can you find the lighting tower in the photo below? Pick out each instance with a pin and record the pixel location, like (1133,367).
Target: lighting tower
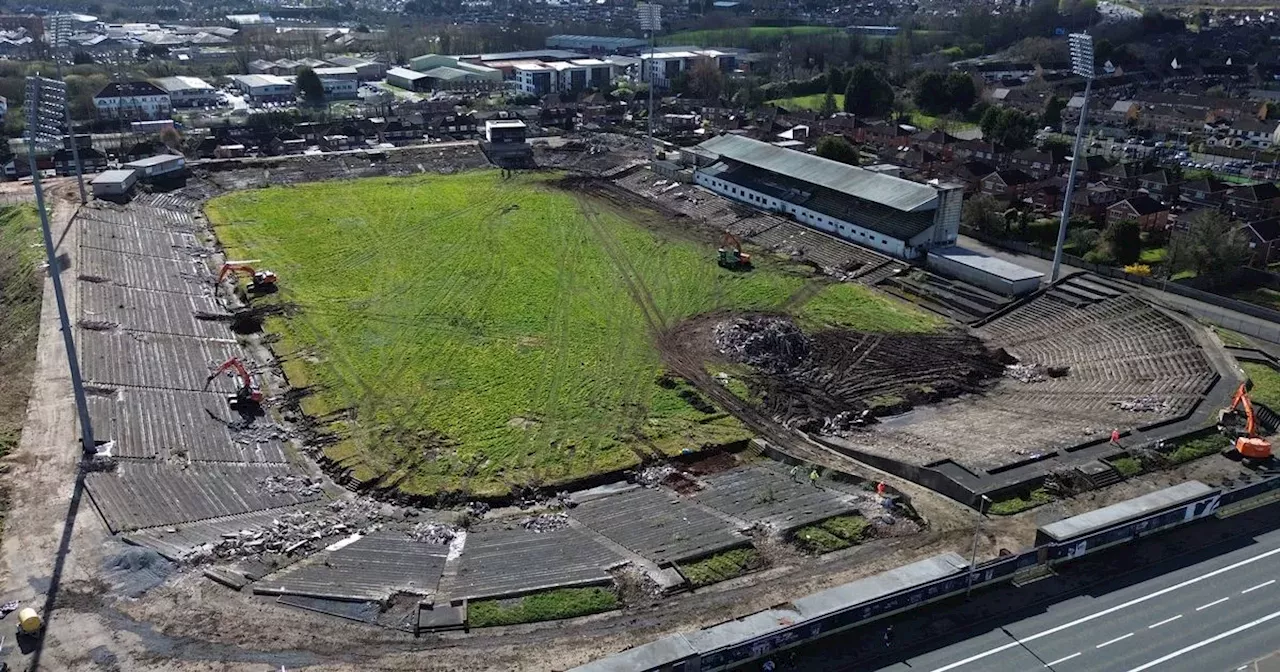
(62,26)
(1082,65)
(650,14)
(46,123)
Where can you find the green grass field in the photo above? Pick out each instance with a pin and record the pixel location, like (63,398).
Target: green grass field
(472,334)
(812,103)
(21,289)
(922,120)
(728,37)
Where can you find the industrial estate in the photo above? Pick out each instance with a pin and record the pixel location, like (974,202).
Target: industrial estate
(442,380)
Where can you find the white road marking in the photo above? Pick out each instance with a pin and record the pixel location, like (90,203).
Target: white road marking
(1206,606)
(1113,641)
(1104,612)
(1203,643)
(1166,621)
(1062,660)
(1260,585)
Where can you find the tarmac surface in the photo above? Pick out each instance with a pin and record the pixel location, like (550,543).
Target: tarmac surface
(1202,598)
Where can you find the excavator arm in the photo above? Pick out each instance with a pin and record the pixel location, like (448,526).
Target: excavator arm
(1250,445)
(248,390)
(259,277)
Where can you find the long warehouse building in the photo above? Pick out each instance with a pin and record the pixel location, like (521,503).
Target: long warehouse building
(898,217)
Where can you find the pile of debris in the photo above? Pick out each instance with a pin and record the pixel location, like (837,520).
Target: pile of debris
(545,522)
(296,531)
(433,533)
(1145,404)
(774,344)
(653,475)
(1025,373)
(842,423)
(285,484)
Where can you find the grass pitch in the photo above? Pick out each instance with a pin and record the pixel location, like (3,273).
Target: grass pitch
(472,334)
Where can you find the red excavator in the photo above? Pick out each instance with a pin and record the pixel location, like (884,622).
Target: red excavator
(1250,446)
(261,279)
(731,254)
(248,396)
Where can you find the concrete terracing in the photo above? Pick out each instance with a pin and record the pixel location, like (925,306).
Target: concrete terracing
(1118,363)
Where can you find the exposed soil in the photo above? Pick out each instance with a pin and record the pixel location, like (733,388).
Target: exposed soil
(833,380)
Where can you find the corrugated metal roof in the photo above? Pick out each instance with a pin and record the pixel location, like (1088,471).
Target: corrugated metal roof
(886,190)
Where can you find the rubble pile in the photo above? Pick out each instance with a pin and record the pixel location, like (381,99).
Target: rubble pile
(652,475)
(433,533)
(1025,373)
(287,484)
(546,522)
(843,422)
(296,531)
(774,344)
(1145,404)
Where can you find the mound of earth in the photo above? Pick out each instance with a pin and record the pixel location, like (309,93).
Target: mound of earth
(833,379)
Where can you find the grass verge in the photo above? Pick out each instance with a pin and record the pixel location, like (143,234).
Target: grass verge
(1008,507)
(21,286)
(721,567)
(832,534)
(547,606)
(1260,296)
(1187,450)
(1127,466)
(1266,384)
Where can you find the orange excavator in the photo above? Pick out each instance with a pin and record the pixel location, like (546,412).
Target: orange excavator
(731,254)
(261,279)
(1250,446)
(249,396)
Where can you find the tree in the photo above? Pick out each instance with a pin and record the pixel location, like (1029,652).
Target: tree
(1213,247)
(1123,240)
(81,58)
(1053,112)
(829,102)
(961,91)
(1009,127)
(310,86)
(868,93)
(981,213)
(706,81)
(837,148)
(931,94)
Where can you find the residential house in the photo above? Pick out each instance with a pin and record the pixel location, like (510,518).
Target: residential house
(1264,241)
(1123,176)
(918,159)
(1206,192)
(1161,185)
(1254,201)
(1252,133)
(1122,112)
(91,161)
(971,173)
(976,150)
(1150,214)
(1033,162)
(1008,184)
(938,142)
(1090,167)
(138,101)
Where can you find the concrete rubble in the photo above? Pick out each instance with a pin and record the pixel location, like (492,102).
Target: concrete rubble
(546,522)
(1025,373)
(298,485)
(1145,404)
(769,343)
(433,533)
(296,531)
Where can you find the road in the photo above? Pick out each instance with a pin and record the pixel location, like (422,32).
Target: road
(1202,598)
(1230,319)
(1213,615)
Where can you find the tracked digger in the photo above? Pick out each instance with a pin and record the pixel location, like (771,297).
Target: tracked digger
(246,399)
(260,280)
(1248,446)
(731,255)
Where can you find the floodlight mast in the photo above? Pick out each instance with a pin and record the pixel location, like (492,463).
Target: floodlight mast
(650,14)
(1082,65)
(46,109)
